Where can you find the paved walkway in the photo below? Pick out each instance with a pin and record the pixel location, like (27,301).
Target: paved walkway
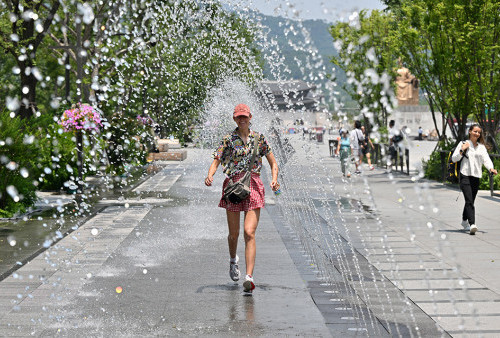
(411,232)
(374,255)
(169,257)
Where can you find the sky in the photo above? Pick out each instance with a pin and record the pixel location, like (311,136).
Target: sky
(329,10)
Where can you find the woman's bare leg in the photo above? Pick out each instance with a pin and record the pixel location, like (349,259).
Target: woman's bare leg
(251,222)
(233,222)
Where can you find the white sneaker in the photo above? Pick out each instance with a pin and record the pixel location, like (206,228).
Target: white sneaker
(248,284)
(465,225)
(234,271)
(473,229)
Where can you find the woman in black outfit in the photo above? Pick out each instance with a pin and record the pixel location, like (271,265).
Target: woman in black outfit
(474,155)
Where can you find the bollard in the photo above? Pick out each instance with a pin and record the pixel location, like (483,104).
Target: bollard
(319,137)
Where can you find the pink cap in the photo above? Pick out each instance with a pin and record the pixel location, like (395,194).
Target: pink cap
(241,110)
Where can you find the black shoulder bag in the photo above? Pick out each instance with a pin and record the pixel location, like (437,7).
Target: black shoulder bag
(236,192)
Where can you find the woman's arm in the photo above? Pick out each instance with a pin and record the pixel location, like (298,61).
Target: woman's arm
(488,163)
(211,172)
(458,153)
(370,142)
(274,170)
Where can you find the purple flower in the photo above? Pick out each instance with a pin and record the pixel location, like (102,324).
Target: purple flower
(81,117)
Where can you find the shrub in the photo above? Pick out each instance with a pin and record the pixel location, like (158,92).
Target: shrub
(129,143)
(17,146)
(485,179)
(56,158)
(433,168)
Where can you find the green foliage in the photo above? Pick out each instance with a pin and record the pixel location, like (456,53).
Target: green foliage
(16,169)
(125,151)
(452,48)
(56,157)
(157,59)
(433,168)
(170,78)
(485,179)
(366,54)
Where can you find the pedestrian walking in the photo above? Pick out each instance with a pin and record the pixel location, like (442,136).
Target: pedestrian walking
(344,152)
(420,133)
(395,136)
(234,153)
(474,155)
(357,139)
(367,147)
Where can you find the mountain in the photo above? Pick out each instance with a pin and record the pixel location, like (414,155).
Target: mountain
(297,41)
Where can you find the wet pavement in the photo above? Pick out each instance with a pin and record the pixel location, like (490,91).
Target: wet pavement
(56,214)
(367,263)
(170,261)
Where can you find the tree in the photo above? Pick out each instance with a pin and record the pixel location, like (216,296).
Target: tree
(29,23)
(366,55)
(483,35)
(392,4)
(452,47)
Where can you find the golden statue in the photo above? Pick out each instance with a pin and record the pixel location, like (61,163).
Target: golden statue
(407,87)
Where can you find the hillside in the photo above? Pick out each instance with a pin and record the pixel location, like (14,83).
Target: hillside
(296,42)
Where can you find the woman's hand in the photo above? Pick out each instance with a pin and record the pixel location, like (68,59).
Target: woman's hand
(209,180)
(493,171)
(275,185)
(465,146)
(211,172)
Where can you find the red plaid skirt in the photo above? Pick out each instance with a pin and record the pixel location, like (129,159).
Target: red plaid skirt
(256,199)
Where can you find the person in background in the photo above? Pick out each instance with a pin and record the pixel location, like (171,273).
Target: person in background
(474,155)
(344,152)
(394,135)
(357,139)
(367,147)
(235,152)
(420,133)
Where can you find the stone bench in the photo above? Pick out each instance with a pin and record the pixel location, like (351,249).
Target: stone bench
(171,155)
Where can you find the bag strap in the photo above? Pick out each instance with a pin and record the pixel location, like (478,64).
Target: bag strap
(246,178)
(254,154)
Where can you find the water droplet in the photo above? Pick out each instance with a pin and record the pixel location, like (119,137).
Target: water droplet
(12,103)
(12,241)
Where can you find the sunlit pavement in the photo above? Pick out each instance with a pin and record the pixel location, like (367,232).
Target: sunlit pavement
(412,233)
(159,265)
(156,269)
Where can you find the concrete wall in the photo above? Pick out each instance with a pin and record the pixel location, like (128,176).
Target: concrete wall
(413,117)
(311,119)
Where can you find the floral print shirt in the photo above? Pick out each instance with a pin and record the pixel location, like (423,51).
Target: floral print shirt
(234,154)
